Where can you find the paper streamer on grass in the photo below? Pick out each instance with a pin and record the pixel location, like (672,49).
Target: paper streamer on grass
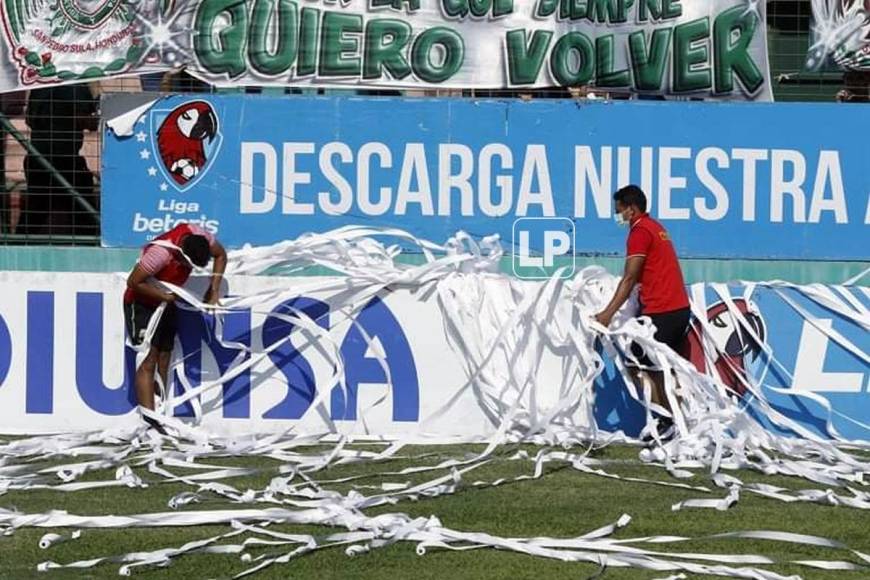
(49,540)
(316,505)
(500,328)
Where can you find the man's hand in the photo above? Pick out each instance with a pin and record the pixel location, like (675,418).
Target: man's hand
(139,282)
(604,318)
(630,277)
(211,298)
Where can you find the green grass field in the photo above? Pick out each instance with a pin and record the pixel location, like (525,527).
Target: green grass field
(562,503)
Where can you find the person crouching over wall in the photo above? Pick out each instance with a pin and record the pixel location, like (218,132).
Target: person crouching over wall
(168,258)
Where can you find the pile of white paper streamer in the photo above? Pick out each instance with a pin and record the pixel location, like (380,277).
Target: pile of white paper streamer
(517,324)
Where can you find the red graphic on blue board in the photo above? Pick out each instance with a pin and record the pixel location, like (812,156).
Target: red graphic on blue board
(737,342)
(186,141)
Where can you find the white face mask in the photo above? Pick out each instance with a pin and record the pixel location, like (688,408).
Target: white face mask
(620,219)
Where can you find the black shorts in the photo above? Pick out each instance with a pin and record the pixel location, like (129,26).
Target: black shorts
(137,316)
(671,329)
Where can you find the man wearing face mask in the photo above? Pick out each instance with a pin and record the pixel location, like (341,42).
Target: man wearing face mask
(652,262)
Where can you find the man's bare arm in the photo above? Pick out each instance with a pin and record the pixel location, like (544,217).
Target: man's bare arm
(138,282)
(630,277)
(220,265)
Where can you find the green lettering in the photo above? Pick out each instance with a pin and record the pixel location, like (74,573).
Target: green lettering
(560,60)
(572,9)
(601,10)
(605,60)
(672,9)
(334,45)
(453,49)
(525,59)
(579,9)
(649,65)
(385,39)
(733,57)
(622,10)
(226,54)
(455,8)
(689,56)
(546,8)
(413,5)
(654,8)
(307,63)
(262,59)
(502,8)
(479,8)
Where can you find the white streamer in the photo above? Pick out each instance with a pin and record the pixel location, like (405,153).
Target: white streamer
(500,328)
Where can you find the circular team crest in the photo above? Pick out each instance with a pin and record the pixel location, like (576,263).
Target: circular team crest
(88,14)
(63,40)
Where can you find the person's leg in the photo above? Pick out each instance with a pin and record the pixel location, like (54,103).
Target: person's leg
(653,381)
(671,330)
(659,396)
(145,387)
(136,318)
(163,358)
(164,341)
(145,380)
(643,377)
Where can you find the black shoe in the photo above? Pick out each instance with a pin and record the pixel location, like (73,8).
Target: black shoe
(154,424)
(664,429)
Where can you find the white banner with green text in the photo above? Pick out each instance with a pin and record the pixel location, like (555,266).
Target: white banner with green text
(711,49)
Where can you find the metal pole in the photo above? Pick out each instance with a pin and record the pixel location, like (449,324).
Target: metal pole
(83,203)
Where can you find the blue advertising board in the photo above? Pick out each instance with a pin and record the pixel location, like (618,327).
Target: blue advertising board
(813,367)
(776,181)
(814,358)
(815,370)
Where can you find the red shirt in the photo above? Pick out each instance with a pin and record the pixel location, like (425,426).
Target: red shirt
(175,271)
(154,258)
(661,281)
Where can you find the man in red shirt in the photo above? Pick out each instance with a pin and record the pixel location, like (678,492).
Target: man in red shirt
(168,258)
(652,262)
